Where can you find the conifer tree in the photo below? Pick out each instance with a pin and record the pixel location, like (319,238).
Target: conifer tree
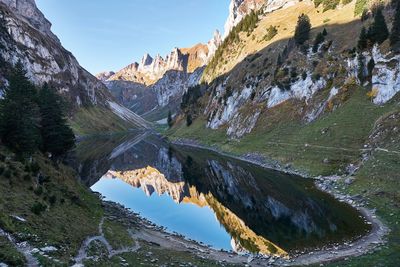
(361,67)
(395,34)
(302,32)
(378,32)
(189,120)
(363,39)
(318,40)
(169,120)
(20,117)
(279,60)
(57,136)
(370,67)
(325,32)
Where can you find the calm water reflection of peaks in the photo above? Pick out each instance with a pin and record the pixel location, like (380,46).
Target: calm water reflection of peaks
(214,199)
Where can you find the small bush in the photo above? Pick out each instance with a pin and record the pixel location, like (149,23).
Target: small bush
(330,4)
(318,40)
(272,31)
(52,200)
(304,75)
(38,208)
(189,120)
(27,177)
(316,77)
(35,168)
(7,173)
(361,6)
(27,168)
(43,179)
(38,191)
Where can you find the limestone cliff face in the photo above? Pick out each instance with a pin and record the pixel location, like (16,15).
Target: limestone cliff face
(27,37)
(238,9)
(27,11)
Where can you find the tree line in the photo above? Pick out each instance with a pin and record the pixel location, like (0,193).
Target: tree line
(33,119)
(378,31)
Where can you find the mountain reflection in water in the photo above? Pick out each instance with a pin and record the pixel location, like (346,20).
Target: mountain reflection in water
(262,210)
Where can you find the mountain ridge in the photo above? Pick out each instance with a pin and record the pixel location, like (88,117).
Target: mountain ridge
(26,37)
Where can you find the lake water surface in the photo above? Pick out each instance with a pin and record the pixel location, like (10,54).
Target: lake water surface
(220,201)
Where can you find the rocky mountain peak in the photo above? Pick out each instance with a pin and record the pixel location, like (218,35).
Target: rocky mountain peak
(175,60)
(146,61)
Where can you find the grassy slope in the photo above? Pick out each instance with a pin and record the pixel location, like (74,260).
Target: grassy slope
(96,120)
(72,212)
(285,20)
(341,133)
(9,255)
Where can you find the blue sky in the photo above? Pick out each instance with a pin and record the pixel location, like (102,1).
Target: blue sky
(108,35)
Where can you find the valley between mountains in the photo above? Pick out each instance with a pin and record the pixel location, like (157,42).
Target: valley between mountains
(275,143)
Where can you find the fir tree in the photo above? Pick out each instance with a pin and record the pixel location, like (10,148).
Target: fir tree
(57,136)
(325,32)
(189,120)
(169,120)
(378,32)
(361,67)
(370,67)
(302,32)
(318,40)
(395,34)
(279,60)
(20,118)
(363,39)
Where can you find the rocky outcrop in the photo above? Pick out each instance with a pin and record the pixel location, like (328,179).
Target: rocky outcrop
(104,76)
(28,12)
(213,45)
(386,76)
(238,9)
(273,5)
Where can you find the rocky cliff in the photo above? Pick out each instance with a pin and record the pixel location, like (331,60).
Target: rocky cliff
(28,39)
(26,36)
(156,85)
(238,9)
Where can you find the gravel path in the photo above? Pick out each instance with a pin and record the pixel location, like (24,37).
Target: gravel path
(82,254)
(23,247)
